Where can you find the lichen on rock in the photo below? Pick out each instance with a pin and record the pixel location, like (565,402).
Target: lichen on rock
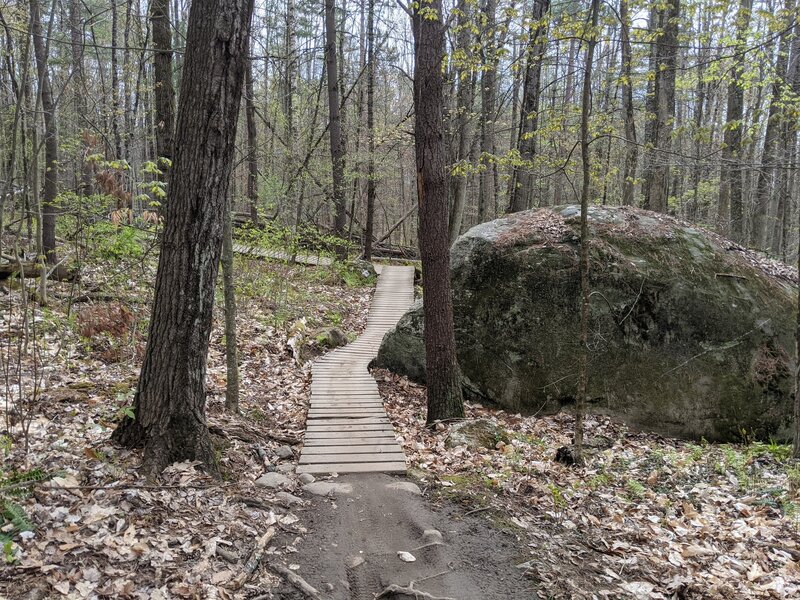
(690,335)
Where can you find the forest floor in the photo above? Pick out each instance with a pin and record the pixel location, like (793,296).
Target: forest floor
(647,517)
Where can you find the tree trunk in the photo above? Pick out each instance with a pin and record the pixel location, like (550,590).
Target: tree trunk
(229,292)
(464,74)
(370,216)
(632,147)
(170,400)
(162,75)
(486,183)
(731,211)
(661,106)
(766,172)
(252,142)
(522,192)
(50,190)
(586,108)
(444,387)
(79,93)
(335,127)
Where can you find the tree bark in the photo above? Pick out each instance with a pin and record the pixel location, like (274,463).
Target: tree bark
(465,75)
(586,109)
(731,211)
(162,74)
(170,400)
(370,217)
(523,192)
(335,126)
(486,182)
(632,147)
(79,94)
(50,190)
(444,388)
(229,293)
(252,142)
(766,173)
(661,106)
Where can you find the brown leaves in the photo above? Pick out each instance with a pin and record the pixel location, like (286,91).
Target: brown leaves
(646,518)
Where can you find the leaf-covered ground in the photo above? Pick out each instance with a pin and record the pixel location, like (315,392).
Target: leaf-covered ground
(647,517)
(92,526)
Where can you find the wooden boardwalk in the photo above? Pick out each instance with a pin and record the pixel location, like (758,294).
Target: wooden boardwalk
(347,430)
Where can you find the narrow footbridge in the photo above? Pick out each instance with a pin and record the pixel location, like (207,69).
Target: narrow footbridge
(347,430)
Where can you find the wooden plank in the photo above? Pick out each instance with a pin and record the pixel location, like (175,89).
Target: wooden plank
(358,420)
(347,435)
(352,449)
(348,441)
(387,467)
(366,457)
(314,428)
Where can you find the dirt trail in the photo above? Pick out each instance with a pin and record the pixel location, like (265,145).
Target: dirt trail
(351,550)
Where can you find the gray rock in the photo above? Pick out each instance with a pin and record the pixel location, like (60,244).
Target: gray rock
(286,468)
(288,499)
(285,452)
(690,335)
(273,481)
(404,486)
(306,478)
(325,488)
(478,434)
(432,536)
(331,338)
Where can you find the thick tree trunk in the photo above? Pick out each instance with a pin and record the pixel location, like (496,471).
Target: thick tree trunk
(170,400)
(50,189)
(162,74)
(370,217)
(631,147)
(335,125)
(522,194)
(661,106)
(444,387)
(465,75)
(731,211)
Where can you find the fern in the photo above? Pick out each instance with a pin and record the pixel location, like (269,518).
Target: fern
(15,514)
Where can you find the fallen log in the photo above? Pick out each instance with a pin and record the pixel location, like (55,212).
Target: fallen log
(31,270)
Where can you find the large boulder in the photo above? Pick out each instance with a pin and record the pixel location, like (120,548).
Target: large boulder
(690,335)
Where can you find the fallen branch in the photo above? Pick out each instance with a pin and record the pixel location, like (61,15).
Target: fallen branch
(254,560)
(31,270)
(409,591)
(297,581)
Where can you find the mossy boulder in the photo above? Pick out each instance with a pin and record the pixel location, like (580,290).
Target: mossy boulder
(690,334)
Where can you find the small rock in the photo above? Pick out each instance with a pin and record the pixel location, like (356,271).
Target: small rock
(404,486)
(526,565)
(406,556)
(599,442)
(354,561)
(332,338)
(476,435)
(286,468)
(288,499)
(323,488)
(285,452)
(432,536)
(273,481)
(306,478)
(328,587)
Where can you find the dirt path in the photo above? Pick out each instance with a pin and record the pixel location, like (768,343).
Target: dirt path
(356,532)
